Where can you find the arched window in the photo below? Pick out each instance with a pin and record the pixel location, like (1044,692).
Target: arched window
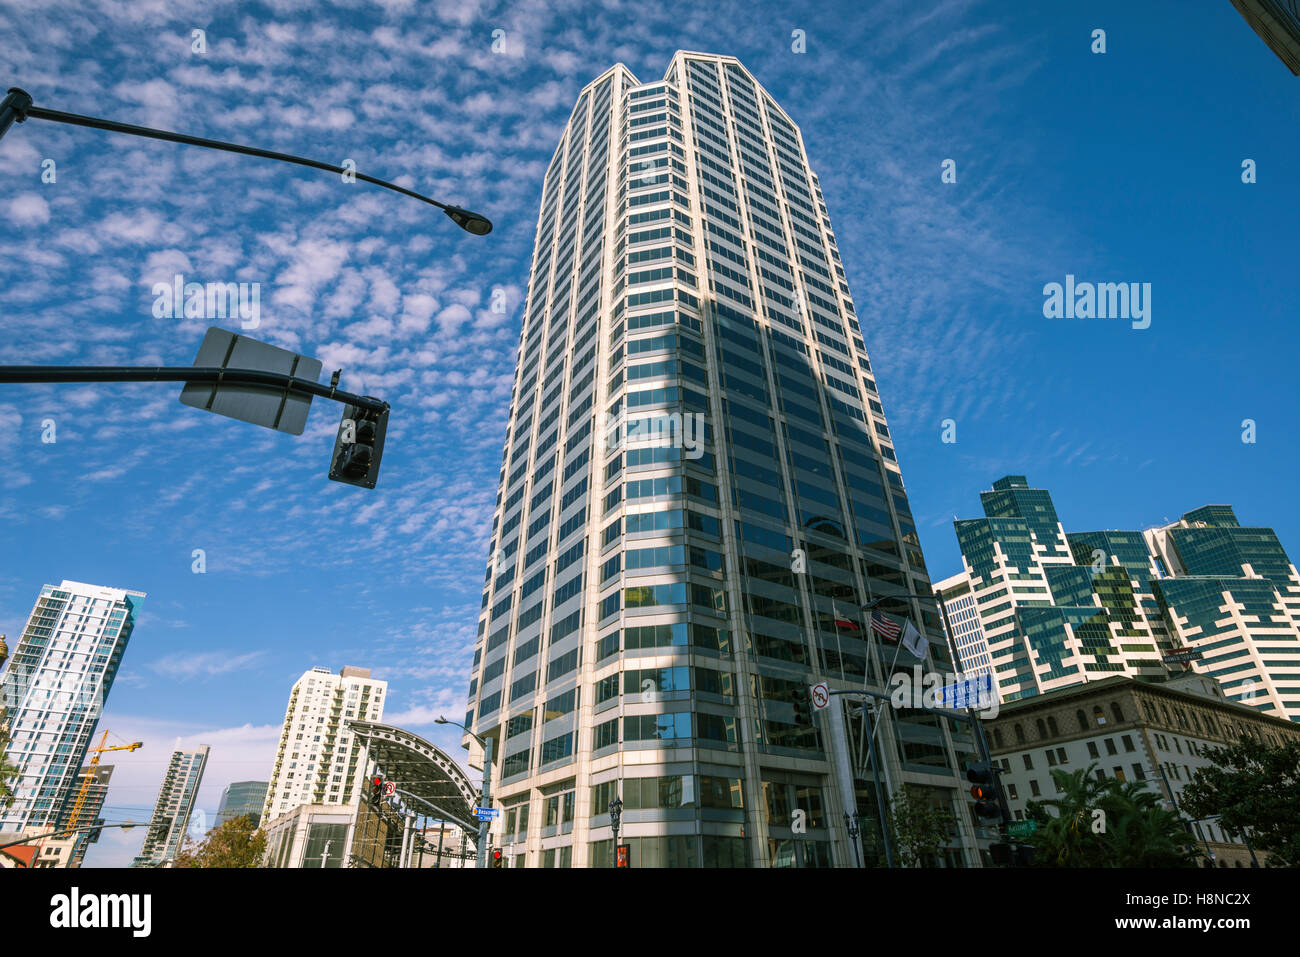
(1051,724)
(1083,720)
(1097,715)
(1117,711)
(1042,728)
(997,737)
(1020,734)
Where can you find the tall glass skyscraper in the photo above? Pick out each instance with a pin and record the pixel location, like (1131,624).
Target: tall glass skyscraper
(171,813)
(54,692)
(697,495)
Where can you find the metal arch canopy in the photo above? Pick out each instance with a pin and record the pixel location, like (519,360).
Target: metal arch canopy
(418,767)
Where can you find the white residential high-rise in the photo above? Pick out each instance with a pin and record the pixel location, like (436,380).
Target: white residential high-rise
(171,814)
(54,692)
(698,493)
(319,758)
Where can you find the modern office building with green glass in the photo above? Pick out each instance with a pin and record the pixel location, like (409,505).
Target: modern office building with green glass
(1231,593)
(698,494)
(1056,608)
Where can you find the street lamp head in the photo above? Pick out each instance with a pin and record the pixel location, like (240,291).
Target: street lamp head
(469,221)
(440,720)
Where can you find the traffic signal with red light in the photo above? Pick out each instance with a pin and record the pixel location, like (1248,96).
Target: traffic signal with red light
(497,859)
(985,791)
(376,789)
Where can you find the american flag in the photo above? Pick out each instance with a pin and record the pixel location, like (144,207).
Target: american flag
(884,627)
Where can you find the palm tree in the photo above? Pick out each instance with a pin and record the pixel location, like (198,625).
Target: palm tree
(1142,832)
(1107,823)
(1067,838)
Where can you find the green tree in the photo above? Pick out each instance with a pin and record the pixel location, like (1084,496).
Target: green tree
(1107,823)
(920,827)
(236,843)
(1252,785)
(8,771)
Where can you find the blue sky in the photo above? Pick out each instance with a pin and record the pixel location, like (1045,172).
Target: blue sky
(1122,166)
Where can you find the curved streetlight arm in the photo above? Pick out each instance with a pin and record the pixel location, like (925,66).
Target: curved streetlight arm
(18,107)
(463,728)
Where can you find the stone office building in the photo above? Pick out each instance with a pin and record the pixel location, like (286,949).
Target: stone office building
(1131,729)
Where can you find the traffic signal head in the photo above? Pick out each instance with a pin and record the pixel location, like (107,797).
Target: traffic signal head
(497,859)
(359,446)
(376,789)
(984,789)
(802,708)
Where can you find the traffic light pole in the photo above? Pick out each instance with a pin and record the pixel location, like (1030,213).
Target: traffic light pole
(28,375)
(487,802)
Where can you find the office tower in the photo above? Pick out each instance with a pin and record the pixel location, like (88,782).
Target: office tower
(96,793)
(962,625)
(171,814)
(1057,609)
(1231,596)
(1278,24)
(242,799)
(319,758)
(698,493)
(54,691)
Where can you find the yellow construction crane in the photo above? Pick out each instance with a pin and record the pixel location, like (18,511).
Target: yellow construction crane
(88,775)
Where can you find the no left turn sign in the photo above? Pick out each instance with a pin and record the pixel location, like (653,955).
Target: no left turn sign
(821,695)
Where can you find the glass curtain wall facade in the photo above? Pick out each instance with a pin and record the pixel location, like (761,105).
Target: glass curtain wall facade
(1232,593)
(1058,609)
(1203,594)
(54,690)
(698,493)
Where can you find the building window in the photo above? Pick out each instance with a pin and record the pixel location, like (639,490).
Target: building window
(1098,716)
(1033,789)
(1029,762)
(1110,746)
(1083,720)
(1092,750)
(1020,734)
(1128,742)
(1051,725)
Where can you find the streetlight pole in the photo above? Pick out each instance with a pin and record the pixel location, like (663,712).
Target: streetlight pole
(615,813)
(487,787)
(18,107)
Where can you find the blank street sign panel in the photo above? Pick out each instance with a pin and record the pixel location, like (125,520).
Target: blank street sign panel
(267,406)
